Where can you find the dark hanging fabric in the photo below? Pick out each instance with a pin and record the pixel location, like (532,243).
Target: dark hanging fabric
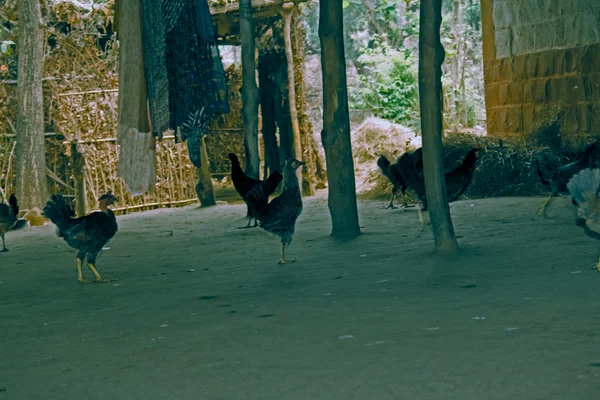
(155,65)
(197,85)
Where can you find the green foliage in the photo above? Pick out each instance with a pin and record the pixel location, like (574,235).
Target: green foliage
(389,86)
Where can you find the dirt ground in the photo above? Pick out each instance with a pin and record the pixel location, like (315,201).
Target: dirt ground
(202,311)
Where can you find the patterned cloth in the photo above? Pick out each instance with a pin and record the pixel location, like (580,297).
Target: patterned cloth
(155,65)
(197,85)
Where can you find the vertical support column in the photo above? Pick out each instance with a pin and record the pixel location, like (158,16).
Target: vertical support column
(78,165)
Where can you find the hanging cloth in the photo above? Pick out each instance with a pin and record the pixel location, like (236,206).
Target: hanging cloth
(137,154)
(155,66)
(197,84)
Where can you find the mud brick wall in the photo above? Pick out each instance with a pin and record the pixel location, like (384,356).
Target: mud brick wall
(542,59)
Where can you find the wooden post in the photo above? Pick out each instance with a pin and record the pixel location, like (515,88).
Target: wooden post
(249,90)
(30,160)
(336,123)
(204,188)
(287,10)
(78,165)
(431,58)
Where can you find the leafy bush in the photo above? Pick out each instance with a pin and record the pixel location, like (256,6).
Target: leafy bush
(388,84)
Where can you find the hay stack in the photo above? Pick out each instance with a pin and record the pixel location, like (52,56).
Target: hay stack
(373,138)
(505,168)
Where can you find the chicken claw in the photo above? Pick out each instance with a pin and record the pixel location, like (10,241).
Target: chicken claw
(82,281)
(103,280)
(99,279)
(391,205)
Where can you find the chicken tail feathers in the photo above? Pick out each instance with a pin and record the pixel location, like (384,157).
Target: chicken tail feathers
(257,200)
(59,212)
(14,205)
(584,186)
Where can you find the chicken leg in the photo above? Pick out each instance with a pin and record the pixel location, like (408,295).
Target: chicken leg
(91,261)
(80,273)
(404,201)
(597,267)
(542,210)
(391,205)
(282,258)
(4,249)
(98,277)
(422,223)
(249,222)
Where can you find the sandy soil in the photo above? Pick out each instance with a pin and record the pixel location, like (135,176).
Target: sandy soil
(202,310)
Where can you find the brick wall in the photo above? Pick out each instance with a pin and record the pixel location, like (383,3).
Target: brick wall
(542,59)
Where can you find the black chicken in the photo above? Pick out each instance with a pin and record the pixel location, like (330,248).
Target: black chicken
(584,188)
(244,184)
(280,215)
(410,160)
(8,218)
(456,180)
(561,176)
(87,234)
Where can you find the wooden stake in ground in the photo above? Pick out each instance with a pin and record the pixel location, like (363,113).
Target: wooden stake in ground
(431,58)
(77,165)
(287,11)
(336,123)
(249,90)
(204,188)
(30,165)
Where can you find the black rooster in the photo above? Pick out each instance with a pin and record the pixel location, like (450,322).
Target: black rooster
(8,218)
(244,184)
(456,180)
(280,215)
(87,234)
(584,188)
(408,160)
(561,176)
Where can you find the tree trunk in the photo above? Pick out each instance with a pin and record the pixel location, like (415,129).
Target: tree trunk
(267,106)
(431,58)
(287,9)
(30,163)
(249,90)
(336,123)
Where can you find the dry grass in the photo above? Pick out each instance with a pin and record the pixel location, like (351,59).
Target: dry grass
(505,167)
(81,103)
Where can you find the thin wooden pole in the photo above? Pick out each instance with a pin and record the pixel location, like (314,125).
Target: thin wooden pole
(204,188)
(287,10)
(77,163)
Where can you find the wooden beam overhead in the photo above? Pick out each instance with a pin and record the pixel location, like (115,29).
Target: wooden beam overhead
(226,17)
